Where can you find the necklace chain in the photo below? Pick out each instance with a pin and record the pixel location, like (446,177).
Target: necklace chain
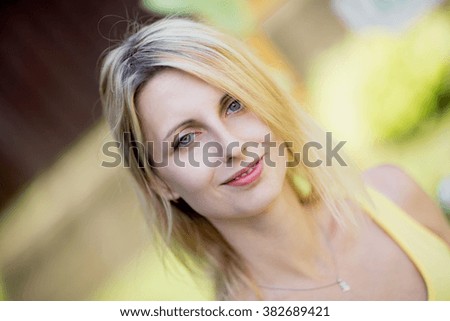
(342,284)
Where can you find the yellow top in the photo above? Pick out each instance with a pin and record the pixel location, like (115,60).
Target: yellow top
(427,251)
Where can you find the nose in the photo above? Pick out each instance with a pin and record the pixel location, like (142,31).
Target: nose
(233,147)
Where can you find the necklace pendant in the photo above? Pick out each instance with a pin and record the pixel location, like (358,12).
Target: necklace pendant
(343,285)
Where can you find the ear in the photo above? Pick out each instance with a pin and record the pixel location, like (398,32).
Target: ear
(165,190)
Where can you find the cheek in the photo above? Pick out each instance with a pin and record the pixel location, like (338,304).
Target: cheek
(187,179)
(249,126)
(194,185)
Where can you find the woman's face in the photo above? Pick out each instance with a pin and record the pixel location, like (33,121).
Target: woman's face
(208,129)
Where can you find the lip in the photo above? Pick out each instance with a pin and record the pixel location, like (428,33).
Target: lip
(249,178)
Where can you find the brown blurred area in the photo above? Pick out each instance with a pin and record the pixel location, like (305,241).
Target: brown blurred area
(48,89)
(49,119)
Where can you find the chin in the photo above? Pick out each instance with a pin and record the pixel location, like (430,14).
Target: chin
(260,199)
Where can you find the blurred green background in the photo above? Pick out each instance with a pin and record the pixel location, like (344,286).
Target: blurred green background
(75,231)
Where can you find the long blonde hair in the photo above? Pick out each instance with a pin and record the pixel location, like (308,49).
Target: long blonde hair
(225,63)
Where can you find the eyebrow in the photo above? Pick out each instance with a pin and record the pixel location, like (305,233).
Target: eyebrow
(222,101)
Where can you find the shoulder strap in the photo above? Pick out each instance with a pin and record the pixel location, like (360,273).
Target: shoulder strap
(427,251)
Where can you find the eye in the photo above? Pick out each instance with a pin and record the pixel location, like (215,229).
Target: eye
(184,140)
(234,107)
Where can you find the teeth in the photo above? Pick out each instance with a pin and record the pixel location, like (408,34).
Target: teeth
(246,173)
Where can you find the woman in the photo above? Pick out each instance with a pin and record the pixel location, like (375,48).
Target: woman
(234,174)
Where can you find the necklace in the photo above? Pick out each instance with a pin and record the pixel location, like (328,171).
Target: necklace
(343,285)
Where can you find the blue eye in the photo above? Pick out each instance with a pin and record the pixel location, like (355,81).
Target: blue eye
(184,140)
(234,107)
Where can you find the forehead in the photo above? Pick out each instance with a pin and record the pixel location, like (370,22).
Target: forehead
(171,97)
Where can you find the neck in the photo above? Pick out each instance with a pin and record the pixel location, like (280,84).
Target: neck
(283,243)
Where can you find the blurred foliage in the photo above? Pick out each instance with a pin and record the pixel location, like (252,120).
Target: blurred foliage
(384,84)
(233,16)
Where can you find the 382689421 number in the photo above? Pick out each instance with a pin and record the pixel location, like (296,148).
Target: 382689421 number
(295,311)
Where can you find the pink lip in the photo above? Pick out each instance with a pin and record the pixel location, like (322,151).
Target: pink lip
(249,178)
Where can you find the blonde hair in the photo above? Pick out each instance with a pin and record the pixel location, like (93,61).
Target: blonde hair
(225,63)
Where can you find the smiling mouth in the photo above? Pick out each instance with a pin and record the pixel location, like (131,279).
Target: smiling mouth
(246,175)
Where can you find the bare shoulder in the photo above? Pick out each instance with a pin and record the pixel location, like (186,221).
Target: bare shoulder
(401,188)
